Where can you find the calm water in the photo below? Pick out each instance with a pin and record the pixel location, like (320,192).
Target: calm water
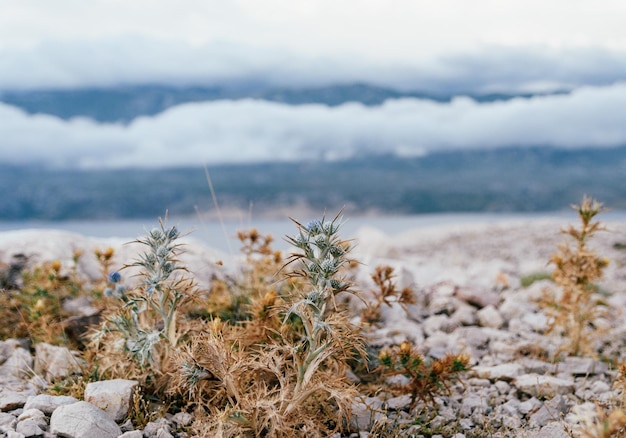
(223,237)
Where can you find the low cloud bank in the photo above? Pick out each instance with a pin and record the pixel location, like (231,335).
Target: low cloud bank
(249,130)
(139,60)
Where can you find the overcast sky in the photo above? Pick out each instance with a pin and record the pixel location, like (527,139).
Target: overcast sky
(444,45)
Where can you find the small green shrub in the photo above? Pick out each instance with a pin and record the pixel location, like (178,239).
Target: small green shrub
(427,378)
(528,280)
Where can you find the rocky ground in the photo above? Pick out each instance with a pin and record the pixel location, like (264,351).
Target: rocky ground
(469,299)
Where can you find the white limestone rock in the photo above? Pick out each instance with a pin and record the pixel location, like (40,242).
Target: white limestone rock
(29,428)
(112,396)
(580,366)
(19,363)
(38,417)
(48,403)
(52,361)
(7,420)
(506,371)
(539,385)
(82,419)
(552,410)
(490,317)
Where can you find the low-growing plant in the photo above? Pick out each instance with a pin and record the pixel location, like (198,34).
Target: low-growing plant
(387,293)
(233,301)
(291,383)
(144,326)
(530,279)
(427,378)
(577,269)
(39,303)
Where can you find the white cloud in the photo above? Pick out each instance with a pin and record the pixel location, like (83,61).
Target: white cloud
(380,29)
(139,60)
(243,131)
(491,44)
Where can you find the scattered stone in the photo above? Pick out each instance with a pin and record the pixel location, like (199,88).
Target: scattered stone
(112,396)
(506,372)
(534,365)
(599,387)
(552,410)
(464,315)
(508,414)
(536,321)
(539,385)
(490,317)
(436,323)
(127,426)
(48,403)
(52,362)
(185,418)
(132,434)
(398,403)
(158,429)
(19,363)
(365,413)
(474,337)
(529,406)
(472,403)
(36,415)
(7,420)
(478,297)
(580,366)
(502,387)
(553,430)
(83,419)
(10,400)
(29,428)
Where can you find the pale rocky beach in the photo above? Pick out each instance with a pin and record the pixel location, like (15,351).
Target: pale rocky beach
(469,299)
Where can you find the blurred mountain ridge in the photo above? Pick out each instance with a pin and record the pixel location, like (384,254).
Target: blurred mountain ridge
(125,103)
(499,180)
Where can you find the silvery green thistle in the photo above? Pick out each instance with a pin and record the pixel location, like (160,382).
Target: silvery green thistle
(321,258)
(163,294)
(157,297)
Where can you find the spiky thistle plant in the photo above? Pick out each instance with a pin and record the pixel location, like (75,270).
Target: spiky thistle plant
(291,380)
(146,319)
(320,260)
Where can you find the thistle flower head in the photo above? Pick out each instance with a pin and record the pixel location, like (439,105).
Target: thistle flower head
(314,227)
(115,277)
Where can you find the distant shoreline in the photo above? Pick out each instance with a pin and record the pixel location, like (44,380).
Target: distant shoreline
(210,230)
